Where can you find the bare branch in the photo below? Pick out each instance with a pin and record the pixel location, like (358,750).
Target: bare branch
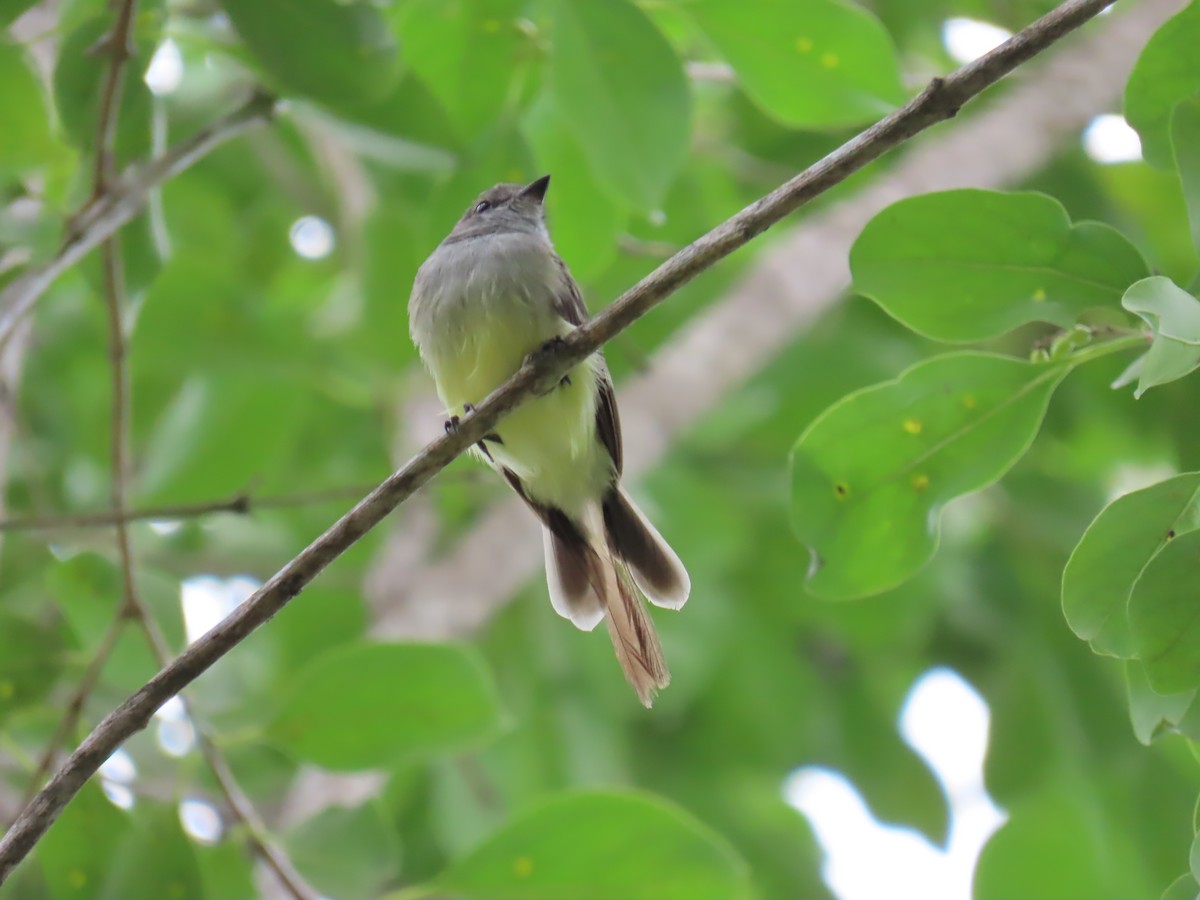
(75,703)
(939,101)
(124,200)
(241,504)
(417,594)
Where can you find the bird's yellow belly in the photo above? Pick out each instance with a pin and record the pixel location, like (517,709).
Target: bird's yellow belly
(549,441)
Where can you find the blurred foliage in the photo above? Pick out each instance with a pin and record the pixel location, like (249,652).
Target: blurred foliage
(269,356)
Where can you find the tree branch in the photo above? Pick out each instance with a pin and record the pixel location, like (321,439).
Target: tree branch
(416,594)
(939,101)
(124,200)
(241,504)
(117,44)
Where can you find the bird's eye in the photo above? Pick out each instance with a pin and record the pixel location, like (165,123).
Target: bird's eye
(482,206)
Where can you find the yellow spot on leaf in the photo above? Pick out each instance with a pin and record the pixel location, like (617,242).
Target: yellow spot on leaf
(76,879)
(841,491)
(177,890)
(829,60)
(523,867)
(803,44)
(1039,296)
(491,25)
(920,482)
(912,426)
(969,401)
(7,690)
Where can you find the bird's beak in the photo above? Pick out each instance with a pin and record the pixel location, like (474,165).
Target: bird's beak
(536,189)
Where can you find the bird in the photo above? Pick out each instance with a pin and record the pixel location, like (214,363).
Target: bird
(492,293)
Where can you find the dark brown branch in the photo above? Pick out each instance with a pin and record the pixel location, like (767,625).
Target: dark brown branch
(939,101)
(124,200)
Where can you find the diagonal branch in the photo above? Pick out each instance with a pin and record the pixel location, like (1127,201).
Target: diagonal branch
(939,101)
(415,593)
(240,504)
(120,203)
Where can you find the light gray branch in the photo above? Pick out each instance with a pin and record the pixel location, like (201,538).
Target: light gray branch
(939,101)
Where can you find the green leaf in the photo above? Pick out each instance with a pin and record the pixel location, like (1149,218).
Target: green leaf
(30,660)
(1114,551)
(817,64)
(1163,614)
(220,434)
(1167,71)
(1153,713)
(77,852)
(872,473)
(156,862)
(586,232)
(351,854)
(340,53)
(11,9)
(1185,142)
(1174,314)
(1182,888)
(1054,848)
(621,90)
(598,846)
(1194,860)
(367,705)
(78,80)
(28,141)
(966,265)
(470,53)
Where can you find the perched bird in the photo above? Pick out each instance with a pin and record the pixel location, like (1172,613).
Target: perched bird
(493,292)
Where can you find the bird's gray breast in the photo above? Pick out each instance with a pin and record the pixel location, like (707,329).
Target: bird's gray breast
(466,283)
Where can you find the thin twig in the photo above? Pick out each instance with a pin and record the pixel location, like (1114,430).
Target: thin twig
(75,703)
(241,504)
(939,101)
(124,200)
(118,46)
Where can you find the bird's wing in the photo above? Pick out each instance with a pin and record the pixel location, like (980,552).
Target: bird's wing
(570,306)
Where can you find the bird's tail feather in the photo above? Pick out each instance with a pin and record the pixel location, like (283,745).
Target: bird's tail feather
(587,582)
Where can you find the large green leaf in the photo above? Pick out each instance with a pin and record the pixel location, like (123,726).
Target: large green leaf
(156,862)
(585,233)
(817,64)
(1055,846)
(1114,550)
(11,9)
(28,140)
(78,850)
(597,846)
(1174,314)
(220,435)
(351,854)
(366,705)
(872,473)
(340,53)
(30,660)
(621,90)
(1185,141)
(966,265)
(1150,712)
(470,53)
(1167,71)
(1164,616)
